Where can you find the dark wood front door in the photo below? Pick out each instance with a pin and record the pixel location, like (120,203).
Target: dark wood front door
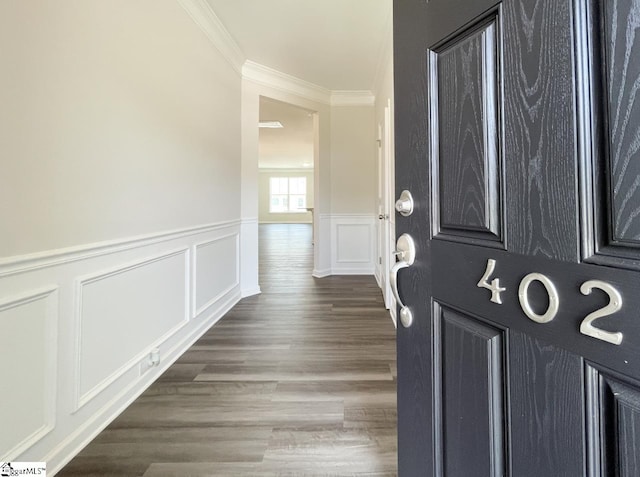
(518,135)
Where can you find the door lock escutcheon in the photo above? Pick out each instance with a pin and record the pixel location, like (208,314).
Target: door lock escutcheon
(406,253)
(404,205)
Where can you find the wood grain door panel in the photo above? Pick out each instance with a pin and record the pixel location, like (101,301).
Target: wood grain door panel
(518,134)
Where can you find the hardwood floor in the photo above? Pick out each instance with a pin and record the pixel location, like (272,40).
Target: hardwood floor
(299,380)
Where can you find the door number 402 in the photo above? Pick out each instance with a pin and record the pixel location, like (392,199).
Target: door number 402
(586,327)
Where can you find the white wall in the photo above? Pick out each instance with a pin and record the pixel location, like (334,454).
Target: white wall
(119,208)
(267,217)
(353,190)
(353,160)
(113,105)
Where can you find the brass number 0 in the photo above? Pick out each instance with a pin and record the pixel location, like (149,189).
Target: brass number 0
(523,295)
(615,303)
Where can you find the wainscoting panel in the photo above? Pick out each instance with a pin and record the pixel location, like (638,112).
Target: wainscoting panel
(210,259)
(353,244)
(133,308)
(81,324)
(27,369)
(350,239)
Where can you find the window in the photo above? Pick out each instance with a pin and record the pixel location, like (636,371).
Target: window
(287,194)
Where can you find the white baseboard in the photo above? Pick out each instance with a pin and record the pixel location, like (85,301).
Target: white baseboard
(250,292)
(321,273)
(352,271)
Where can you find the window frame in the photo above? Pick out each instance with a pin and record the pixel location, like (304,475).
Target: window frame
(277,182)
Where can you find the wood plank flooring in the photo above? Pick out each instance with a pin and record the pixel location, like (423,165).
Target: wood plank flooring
(299,380)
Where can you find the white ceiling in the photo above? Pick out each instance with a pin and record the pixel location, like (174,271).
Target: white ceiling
(335,44)
(290,147)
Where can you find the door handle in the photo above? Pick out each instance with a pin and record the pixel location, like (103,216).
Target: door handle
(406,253)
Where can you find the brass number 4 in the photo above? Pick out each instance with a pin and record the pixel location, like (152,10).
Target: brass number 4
(494,286)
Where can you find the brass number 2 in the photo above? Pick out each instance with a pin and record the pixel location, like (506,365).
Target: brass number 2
(615,303)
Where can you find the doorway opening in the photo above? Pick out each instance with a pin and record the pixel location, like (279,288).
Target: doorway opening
(286,175)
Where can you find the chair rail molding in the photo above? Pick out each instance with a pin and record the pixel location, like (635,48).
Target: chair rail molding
(35,261)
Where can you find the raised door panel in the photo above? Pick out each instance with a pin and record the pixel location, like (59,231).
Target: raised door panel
(610,55)
(628,436)
(471,395)
(540,145)
(464,92)
(622,58)
(614,432)
(547,409)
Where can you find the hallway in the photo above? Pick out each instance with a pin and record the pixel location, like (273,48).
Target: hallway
(299,380)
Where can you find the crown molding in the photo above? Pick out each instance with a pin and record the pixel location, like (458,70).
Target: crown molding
(204,16)
(271,78)
(275,79)
(352,98)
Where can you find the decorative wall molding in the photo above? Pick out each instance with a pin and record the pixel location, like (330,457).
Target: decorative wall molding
(289,221)
(197,311)
(73,443)
(265,76)
(275,79)
(204,16)
(249,221)
(352,98)
(82,398)
(360,253)
(49,295)
(25,263)
(352,244)
(26,298)
(87,296)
